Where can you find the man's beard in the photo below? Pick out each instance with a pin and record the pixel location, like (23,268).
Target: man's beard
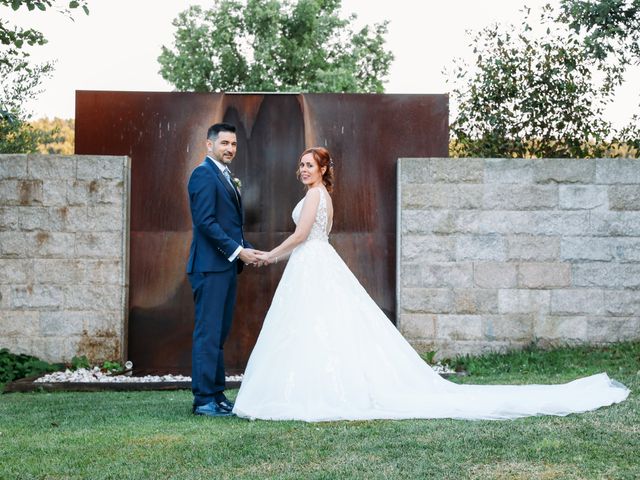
(222,159)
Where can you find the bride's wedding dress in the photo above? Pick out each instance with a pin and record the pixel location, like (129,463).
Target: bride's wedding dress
(327,352)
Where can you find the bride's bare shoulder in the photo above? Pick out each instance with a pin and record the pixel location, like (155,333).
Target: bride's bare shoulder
(313,192)
(318,190)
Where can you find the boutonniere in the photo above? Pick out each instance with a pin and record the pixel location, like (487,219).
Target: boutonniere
(237,183)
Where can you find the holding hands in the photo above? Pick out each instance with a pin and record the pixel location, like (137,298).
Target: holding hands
(267,258)
(250,256)
(257,258)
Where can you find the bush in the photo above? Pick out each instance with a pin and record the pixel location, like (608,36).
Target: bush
(14,366)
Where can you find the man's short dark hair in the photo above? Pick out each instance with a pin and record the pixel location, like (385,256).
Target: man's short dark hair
(215,129)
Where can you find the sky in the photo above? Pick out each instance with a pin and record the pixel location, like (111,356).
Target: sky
(116,47)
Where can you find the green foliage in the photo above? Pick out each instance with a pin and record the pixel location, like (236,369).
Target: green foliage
(611,28)
(54,136)
(80,362)
(107,366)
(21,78)
(112,367)
(533,360)
(16,136)
(20,82)
(16,38)
(16,366)
(535,91)
(429,357)
(274,45)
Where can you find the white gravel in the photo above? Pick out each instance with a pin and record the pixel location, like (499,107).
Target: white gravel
(439,368)
(95,375)
(84,375)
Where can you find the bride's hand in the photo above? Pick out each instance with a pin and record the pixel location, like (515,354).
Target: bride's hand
(264,258)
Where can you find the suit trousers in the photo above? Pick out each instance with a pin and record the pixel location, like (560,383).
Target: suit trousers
(214,294)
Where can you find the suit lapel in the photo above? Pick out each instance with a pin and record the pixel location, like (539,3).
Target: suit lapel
(230,190)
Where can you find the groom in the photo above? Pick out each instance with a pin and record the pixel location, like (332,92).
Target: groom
(218,252)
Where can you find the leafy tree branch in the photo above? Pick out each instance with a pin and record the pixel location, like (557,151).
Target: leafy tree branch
(275,45)
(536,90)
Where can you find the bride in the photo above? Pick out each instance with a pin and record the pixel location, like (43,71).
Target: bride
(327,352)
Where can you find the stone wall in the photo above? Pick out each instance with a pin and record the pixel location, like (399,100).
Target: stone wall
(64,227)
(496,253)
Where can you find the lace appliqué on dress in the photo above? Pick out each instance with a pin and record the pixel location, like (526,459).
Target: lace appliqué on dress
(319,228)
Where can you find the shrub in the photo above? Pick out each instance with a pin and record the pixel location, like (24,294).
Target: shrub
(14,366)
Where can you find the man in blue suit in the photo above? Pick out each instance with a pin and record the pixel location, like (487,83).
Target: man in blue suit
(218,252)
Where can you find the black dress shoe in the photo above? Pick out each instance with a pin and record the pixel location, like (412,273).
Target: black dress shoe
(211,409)
(225,405)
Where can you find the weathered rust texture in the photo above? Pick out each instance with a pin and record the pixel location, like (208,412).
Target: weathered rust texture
(164,135)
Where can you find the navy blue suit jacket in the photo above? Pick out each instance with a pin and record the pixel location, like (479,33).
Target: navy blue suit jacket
(216,213)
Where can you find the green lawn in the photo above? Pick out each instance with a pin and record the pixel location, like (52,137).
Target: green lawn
(153,435)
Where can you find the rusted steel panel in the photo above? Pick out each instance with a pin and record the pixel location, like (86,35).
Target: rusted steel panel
(164,135)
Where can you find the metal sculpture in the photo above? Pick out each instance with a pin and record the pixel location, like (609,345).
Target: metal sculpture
(164,134)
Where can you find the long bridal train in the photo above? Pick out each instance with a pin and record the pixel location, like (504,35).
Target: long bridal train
(327,352)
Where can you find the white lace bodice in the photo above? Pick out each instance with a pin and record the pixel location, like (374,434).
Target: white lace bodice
(321,227)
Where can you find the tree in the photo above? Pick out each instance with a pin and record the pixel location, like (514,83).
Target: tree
(274,45)
(16,37)
(55,136)
(21,78)
(611,34)
(532,93)
(611,27)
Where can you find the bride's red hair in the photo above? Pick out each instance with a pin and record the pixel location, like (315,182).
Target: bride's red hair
(323,159)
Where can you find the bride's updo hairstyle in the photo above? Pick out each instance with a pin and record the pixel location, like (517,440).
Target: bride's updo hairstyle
(323,159)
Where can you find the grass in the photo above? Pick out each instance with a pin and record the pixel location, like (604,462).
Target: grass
(153,434)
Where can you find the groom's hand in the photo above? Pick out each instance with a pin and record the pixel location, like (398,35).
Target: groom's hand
(249,256)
